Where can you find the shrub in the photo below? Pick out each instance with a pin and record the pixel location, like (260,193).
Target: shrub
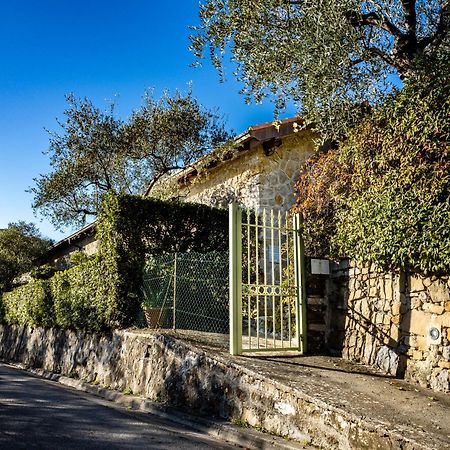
(2,309)
(30,304)
(83,297)
(43,272)
(103,292)
(322,179)
(77,258)
(393,206)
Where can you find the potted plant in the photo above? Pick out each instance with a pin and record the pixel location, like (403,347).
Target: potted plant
(154,304)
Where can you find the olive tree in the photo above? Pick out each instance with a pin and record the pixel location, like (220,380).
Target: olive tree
(97,152)
(334,58)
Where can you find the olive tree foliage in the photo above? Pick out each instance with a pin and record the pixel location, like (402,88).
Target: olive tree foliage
(21,245)
(97,152)
(332,57)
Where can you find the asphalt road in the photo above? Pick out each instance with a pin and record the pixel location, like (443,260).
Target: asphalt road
(41,414)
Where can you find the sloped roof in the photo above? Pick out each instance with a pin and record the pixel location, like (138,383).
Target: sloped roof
(268,133)
(87,230)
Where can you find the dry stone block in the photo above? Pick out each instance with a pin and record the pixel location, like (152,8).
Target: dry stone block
(365,309)
(441,381)
(395,320)
(417,355)
(396,309)
(422,343)
(444,364)
(379,318)
(416,322)
(446,353)
(433,308)
(395,333)
(444,320)
(439,292)
(416,303)
(389,289)
(416,283)
(387,360)
(373,291)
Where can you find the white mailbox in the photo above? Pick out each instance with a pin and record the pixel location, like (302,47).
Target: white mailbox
(320,266)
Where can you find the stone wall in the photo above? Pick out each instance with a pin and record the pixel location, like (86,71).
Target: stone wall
(253,179)
(388,320)
(164,369)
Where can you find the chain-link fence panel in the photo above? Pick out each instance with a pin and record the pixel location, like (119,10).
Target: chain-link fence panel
(186,291)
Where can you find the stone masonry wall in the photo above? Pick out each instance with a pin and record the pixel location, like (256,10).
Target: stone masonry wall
(281,171)
(386,320)
(88,245)
(164,369)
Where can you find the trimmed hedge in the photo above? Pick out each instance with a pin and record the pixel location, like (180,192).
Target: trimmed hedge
(104,292)
(132,227)
(82,297)
(30,304)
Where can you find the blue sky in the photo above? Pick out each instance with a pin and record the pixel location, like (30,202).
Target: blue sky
(102,50)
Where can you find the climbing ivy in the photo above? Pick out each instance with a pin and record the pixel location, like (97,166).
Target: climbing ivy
(103,292)
(30,304)
(387,196)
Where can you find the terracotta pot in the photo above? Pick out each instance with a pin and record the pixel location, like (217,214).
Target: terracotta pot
(155,317)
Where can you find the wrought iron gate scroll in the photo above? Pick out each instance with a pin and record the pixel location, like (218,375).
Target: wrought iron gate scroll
(267,282)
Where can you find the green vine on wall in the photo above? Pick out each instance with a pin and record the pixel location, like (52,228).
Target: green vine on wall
(104,292)
(384,196)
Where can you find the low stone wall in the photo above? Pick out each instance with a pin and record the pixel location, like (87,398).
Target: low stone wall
(387,319)
(159,368)
(165,369)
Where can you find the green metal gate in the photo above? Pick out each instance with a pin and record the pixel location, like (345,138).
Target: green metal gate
(267,282)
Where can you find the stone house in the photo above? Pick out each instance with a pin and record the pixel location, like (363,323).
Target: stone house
(81,240)
(399,322)
(258,171)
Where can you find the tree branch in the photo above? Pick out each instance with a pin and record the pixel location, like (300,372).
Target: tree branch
(85,212)
(441,30)
(382,55)
(409,8)
(374,19)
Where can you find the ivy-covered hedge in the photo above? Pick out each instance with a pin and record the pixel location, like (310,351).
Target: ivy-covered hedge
(387,194)
(30,304)
(132,227)
(104,292)
(83,296)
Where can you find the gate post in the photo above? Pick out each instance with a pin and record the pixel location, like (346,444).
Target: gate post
(235,245)
(300,278)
